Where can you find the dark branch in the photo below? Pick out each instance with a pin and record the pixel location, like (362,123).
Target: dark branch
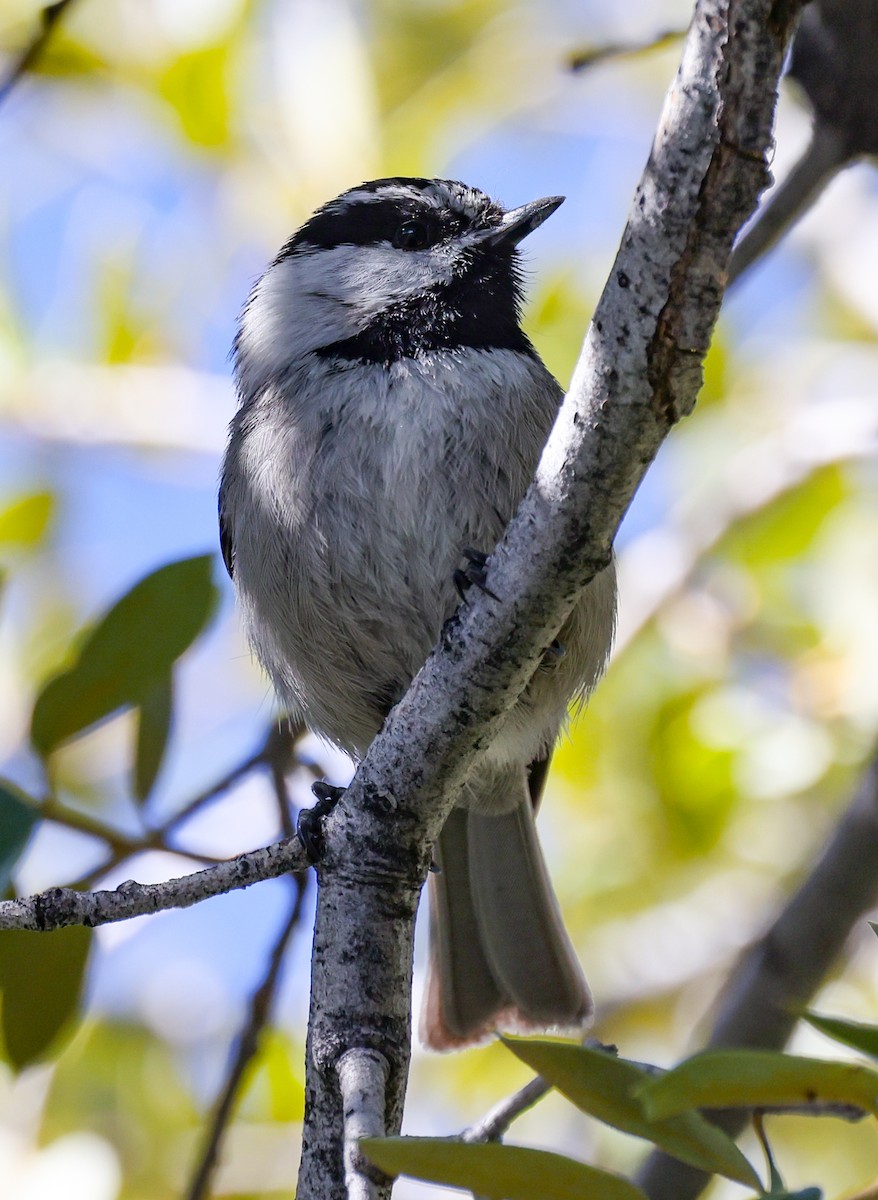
(834,62)
(31,54)
(791,199)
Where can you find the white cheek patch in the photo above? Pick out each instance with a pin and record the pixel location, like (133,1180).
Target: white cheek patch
(371,279)
(297,306)
(321,296)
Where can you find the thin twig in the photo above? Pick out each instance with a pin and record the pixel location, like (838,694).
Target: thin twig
(248,1044)
(25,62)
(277,752)
(497,1120)
(213,792)
(120,843)
(590,56)
(58,907)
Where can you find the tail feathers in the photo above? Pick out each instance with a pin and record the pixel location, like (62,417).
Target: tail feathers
(500,956)
(462,994)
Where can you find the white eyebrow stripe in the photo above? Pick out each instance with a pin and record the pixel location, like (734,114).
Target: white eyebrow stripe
(388,193)
(466,201)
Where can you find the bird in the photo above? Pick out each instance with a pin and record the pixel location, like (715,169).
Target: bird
(392,412)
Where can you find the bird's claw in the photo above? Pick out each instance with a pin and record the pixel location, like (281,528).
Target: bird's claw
(309,826)
(473,574)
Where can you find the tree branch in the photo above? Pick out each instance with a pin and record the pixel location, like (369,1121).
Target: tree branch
(57,907)
(497,1120)
(777,976)
(834,61)
(639,372)
(49,18)
(362,1081)
(824,157)
(277,753)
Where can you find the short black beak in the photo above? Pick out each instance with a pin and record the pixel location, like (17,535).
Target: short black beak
(519,222)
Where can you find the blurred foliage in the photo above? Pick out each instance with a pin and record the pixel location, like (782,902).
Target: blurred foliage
(195,86)
(156,158)
(850,1033)
(120,1082)
(126,659)
(18,816)
(154,716)
(41,982)
(25,522)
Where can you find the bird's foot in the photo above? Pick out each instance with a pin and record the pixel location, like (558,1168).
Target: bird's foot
(553,655)
(473,574)
(309,827)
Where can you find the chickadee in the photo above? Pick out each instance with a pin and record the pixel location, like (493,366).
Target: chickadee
(392,414)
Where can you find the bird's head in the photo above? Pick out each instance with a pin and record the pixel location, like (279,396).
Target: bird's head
(392,269)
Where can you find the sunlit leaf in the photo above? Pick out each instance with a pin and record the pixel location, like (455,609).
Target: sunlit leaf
(41,976)
(850,1033)
(129,652)
(66,57)
(786,528)
(495,1171)
(282,1063)
(608,1087)
(196,86)
(123,332)
(695,782)
(153,728)
(18,816)
(756,1079)
(24,522)
(415,47)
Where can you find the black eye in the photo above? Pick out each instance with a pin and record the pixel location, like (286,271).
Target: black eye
(412,234)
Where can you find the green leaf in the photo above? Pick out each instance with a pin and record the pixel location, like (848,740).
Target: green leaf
(849,1033)
(608,1087)
(153,728)
(18,815)
(129,652)
(756,1079)
(197,88)
(41,976)
(24,522)
(495,1171)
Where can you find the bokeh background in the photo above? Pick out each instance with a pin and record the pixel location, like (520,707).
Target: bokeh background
(151,166)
